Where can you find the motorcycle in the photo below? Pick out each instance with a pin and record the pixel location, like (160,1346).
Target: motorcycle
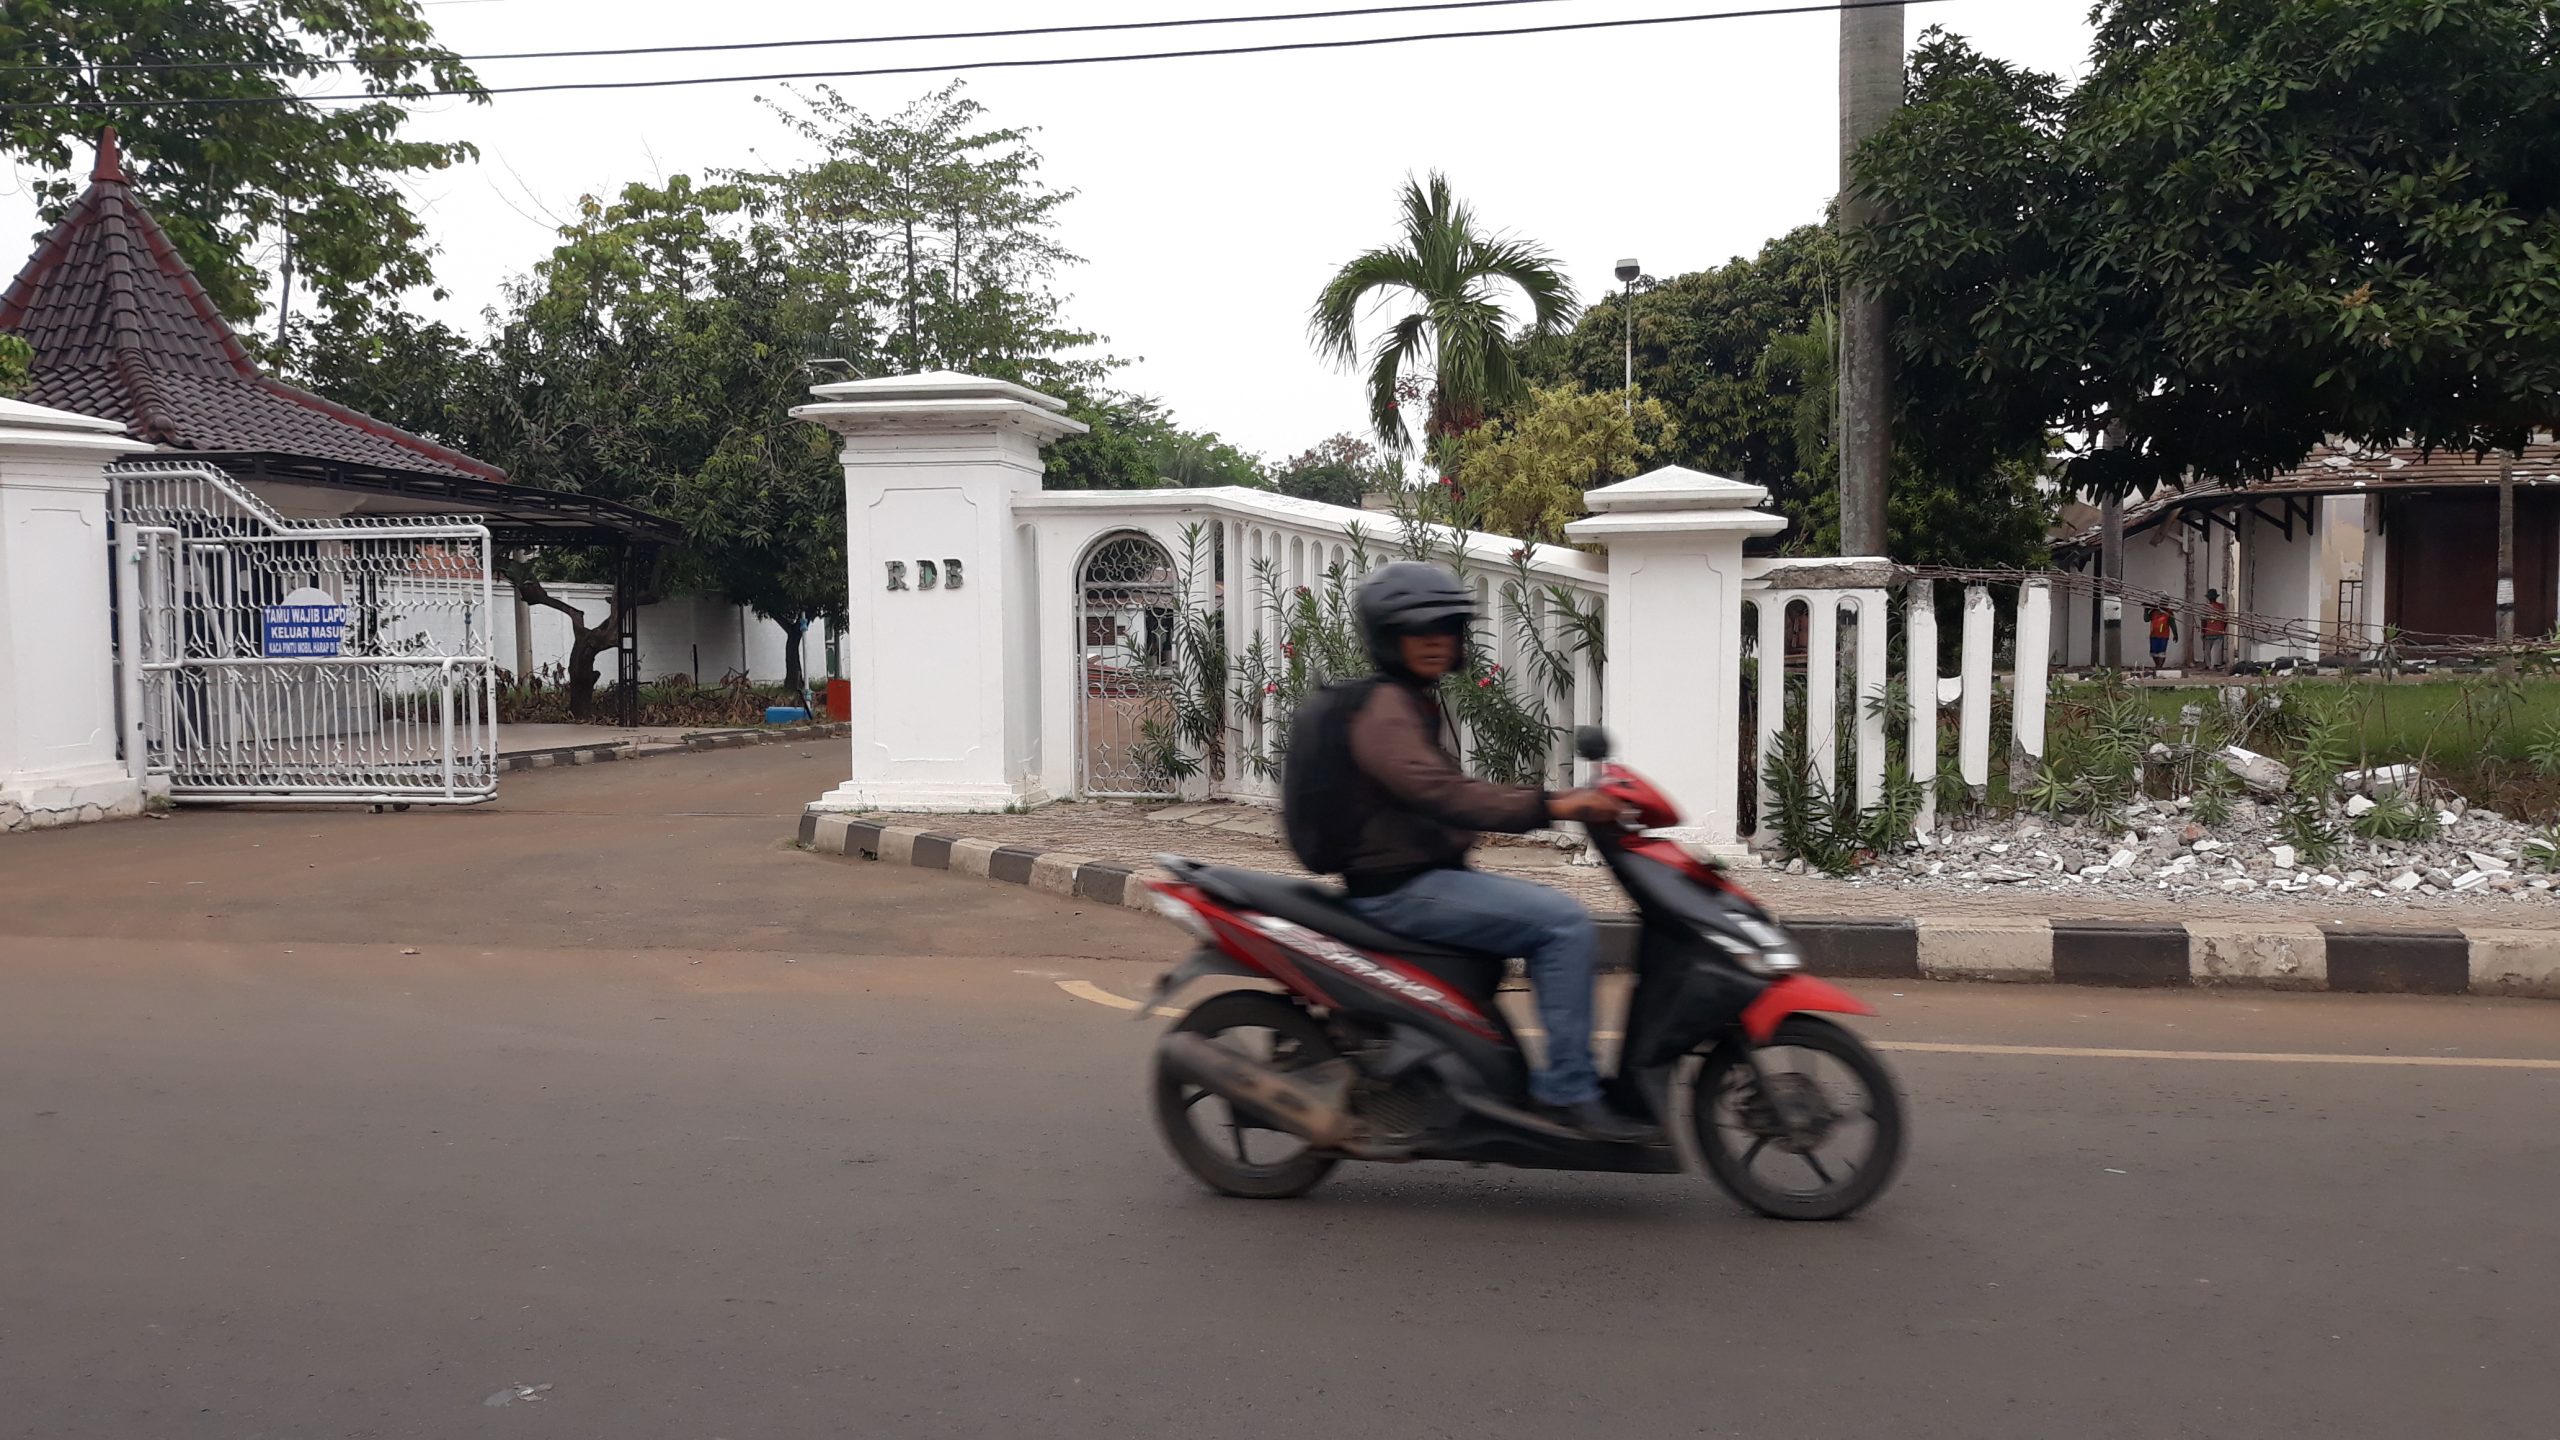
(1357,1044)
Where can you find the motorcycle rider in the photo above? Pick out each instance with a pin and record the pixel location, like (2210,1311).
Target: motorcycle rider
(1416,814)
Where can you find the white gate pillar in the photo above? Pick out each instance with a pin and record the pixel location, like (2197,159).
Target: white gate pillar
(58,726)
(941,636)
(1674,698)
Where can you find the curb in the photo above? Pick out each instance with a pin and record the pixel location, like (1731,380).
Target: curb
(626,750)
(2199,954)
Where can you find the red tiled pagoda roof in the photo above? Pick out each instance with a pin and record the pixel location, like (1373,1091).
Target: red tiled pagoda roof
(124,331)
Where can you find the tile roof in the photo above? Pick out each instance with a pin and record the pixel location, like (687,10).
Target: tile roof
(2340,469)
(122,330)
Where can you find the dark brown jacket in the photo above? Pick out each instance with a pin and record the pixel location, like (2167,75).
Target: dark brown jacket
(1420,811)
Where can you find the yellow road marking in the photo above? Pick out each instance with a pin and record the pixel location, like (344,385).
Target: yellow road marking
(1087,990)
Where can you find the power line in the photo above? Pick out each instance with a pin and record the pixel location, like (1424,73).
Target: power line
(423,93)
(164,66)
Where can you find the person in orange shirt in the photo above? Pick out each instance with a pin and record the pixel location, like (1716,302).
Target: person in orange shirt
(2164,628)
(2217,625)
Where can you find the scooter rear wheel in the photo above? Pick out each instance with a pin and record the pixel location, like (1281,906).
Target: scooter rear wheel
(1827,1143)
(1223,1148)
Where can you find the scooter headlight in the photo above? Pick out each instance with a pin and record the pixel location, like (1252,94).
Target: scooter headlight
(1764,949)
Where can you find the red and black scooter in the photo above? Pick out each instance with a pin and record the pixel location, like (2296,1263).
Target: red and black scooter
(1357,1044)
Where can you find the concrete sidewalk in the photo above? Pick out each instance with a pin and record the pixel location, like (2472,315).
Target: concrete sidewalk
(1133,835)
(2438,945)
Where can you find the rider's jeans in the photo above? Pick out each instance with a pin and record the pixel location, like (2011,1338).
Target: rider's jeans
(1472,910)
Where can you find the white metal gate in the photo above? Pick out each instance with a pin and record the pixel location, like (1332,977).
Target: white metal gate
(1125,624)
(277,660)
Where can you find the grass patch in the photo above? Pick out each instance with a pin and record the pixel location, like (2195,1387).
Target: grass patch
(2493,739)
(2452,721)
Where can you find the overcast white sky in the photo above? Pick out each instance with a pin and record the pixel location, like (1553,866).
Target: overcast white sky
(1216,195)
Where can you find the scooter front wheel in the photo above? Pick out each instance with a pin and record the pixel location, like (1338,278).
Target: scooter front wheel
(1812,1132)
(1226,1148)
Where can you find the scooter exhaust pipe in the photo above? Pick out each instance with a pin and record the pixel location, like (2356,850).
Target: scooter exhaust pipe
(1287,1102)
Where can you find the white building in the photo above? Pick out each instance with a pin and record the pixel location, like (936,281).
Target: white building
(2331,556)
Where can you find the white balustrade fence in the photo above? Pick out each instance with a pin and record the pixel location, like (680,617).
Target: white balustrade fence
(1247,559)
(1821,640)
(1008,645)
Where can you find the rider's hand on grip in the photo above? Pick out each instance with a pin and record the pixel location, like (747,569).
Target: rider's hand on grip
(1591,807)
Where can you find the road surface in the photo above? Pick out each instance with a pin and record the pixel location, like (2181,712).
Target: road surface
(606,1113)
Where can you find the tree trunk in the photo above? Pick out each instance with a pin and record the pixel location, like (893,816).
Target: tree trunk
(1870,91)
(795,676)
(582,667)
(586,641)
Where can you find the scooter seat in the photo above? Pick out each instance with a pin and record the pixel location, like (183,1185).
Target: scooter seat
(1320,907)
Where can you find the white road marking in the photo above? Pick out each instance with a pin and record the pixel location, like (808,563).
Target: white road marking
(2075,1052)
(1087,990)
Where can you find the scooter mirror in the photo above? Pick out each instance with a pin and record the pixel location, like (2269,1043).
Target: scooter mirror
(1591,743)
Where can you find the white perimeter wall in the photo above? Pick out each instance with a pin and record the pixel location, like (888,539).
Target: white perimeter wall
(676,634)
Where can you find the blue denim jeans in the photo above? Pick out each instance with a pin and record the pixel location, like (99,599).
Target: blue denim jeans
(1472,910)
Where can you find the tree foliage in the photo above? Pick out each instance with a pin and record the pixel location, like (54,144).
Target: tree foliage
(1341,470)
(1525,473)
(1457,338)
(2255,224)
(1701,340)
(1132,443)
(16,355)
(1743,358)
(233,184)
(654,356)
(934,237)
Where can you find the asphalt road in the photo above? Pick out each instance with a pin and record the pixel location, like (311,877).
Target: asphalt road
(715,1139)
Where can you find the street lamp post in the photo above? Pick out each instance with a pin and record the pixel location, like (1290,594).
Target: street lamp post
(1628,270)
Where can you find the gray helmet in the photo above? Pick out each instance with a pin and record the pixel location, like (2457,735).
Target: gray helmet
(1410,597)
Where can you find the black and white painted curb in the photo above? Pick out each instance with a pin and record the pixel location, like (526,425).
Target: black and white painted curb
(626,750)
(2278,954)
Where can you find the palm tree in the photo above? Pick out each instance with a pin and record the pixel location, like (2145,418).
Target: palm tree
(1457,332)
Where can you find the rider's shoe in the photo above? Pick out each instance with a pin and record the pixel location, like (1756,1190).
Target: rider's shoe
(1595,1119)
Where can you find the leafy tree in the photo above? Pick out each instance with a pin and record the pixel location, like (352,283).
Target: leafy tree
(1525,474)
(2256,223)
(653,359)
(935,236)
(1701,345)
(16,355)
(424,376)
(1133,444)
(1456,277)
(1198,459)
(1340,471)
(229,181)
(1115,452)
(1743,357)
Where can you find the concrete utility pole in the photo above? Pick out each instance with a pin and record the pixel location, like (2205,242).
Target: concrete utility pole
(2507,560)
(2111,560)
(1870,91)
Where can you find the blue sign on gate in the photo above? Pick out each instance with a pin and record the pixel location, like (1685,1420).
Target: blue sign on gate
(306,627)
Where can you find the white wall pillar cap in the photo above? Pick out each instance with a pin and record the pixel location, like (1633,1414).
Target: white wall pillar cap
(938,400)
(39,427)
(1675,487)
